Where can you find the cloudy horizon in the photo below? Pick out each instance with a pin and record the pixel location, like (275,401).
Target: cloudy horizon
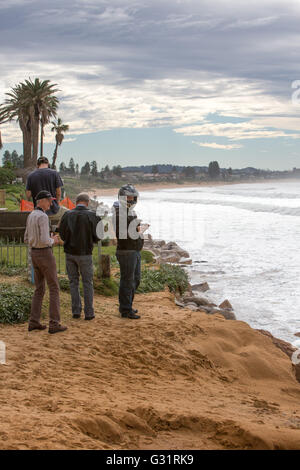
(141,82)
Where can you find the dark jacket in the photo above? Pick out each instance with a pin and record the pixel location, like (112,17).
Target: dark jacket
(78,230)
(126,243)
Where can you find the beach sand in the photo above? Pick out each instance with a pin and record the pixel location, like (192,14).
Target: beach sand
(98,192)
(176,379)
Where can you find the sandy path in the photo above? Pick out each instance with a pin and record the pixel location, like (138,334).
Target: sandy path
(176,379)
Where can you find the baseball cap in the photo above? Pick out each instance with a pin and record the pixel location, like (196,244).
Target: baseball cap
(41,160)
(44,195)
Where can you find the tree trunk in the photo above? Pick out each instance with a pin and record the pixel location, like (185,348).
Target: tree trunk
(42,140)
(54,156)
(35,137)
(28,161)
(25,128)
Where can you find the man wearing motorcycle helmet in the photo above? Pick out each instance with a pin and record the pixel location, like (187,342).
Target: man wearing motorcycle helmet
(130,244)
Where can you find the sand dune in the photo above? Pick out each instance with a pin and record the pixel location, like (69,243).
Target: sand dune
(176,379)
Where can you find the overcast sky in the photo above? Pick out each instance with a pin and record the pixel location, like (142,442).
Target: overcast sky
(161,81)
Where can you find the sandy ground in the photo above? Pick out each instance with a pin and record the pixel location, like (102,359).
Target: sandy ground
(151,187)
(96,192)
(175,379)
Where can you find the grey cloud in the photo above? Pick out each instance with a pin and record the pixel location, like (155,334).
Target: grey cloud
(156,39)
(141,45)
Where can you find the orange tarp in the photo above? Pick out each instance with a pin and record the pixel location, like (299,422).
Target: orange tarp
(26,206)
(66,202)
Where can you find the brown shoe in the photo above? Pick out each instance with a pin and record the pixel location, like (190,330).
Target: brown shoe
(38,326)
(57,329)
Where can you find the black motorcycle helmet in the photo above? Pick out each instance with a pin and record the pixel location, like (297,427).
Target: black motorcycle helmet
(128,190)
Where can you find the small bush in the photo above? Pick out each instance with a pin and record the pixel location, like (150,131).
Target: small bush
(107,287)
(12,270)
(147,256)
(171,276)
(6,176)
(64,283)
(15,303)
(175,277)
(151,281)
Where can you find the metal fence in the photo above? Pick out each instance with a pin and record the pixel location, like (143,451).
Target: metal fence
(15,253)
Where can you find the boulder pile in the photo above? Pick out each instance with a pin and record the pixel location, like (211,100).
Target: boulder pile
(201,304)
(171,252)
(166,252)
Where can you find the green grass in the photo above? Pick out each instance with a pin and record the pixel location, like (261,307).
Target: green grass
(14,194)
(12,270)
(107,287)
(16,255)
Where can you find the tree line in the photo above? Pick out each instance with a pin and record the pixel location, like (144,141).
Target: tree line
(89,169)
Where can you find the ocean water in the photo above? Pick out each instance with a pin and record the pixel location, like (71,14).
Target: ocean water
(244,240)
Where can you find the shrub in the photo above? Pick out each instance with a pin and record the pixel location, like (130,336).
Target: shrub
(6,176)
(15,303)
(175,277)
(171,276)
(12,270)
(147,256)
(107,287)
(64,283)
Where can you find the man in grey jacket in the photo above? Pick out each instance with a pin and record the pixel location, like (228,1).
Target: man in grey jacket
(41,243)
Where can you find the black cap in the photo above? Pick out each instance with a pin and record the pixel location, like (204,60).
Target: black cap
(41,160)
(44,195)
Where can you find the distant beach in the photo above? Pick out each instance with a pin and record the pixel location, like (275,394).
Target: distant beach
(98,192)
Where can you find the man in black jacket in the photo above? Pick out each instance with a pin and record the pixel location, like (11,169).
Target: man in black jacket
(130,244)
(78,231)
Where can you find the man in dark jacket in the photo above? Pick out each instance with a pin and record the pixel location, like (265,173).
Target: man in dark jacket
(46,179)
(130,244)
(78,231)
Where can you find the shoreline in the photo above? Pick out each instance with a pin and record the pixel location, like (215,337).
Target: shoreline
(141,187)
(170,185)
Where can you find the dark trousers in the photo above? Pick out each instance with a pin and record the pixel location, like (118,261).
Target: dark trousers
(44,265)
(83,265)
(130,277)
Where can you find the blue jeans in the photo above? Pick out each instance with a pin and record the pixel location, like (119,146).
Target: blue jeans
(130,277)
(83,265)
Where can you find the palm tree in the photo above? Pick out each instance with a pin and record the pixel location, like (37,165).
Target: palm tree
(2,120)
(28,102)
(48,111)
(15,107)
(59,127)
(42,104)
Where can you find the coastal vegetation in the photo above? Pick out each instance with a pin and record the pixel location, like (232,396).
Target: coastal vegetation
(15,303)
(171,276)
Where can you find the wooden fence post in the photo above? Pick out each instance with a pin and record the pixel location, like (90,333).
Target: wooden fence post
(2,197)
(103,264)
